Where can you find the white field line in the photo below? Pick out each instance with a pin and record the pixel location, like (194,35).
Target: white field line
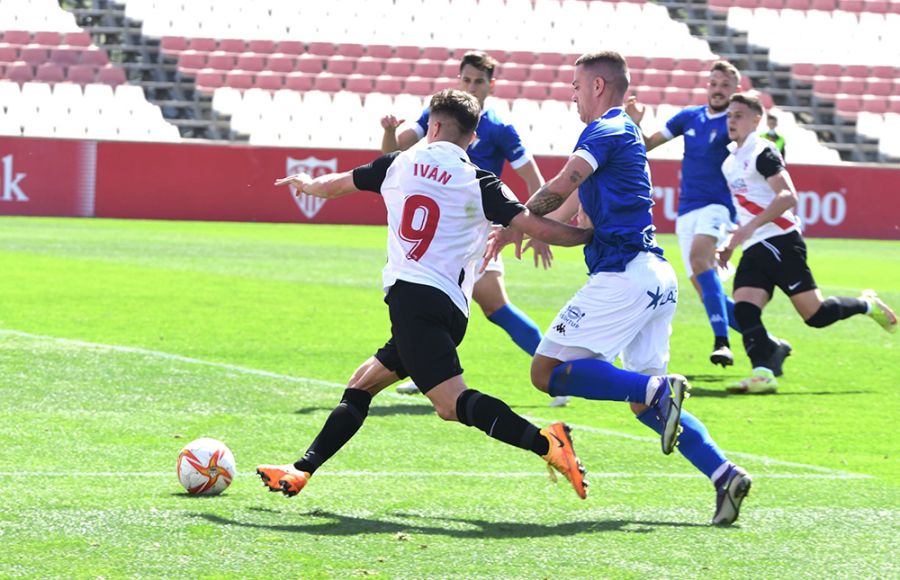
(330,384)
(431,474)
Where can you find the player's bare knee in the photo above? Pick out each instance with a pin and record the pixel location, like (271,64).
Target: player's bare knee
(540,377)
(446,412)
(638,408)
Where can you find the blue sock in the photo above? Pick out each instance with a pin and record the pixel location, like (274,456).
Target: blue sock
(524,332)
(732,321)
(599,380)
(714,300)
(694,442)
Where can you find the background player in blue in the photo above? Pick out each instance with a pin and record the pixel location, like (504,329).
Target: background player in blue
(626,307)
(496,141)
(705,209)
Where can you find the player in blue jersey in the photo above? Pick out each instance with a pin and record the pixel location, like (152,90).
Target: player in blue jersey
(626,307)
(496,142)
(705,209)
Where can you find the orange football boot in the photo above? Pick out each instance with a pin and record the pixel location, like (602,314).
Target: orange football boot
(562,458)
(284,478)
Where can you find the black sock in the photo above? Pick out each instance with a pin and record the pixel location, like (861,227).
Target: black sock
(757,343)
(837,308)
(495,418)
(340,427)
(720,342)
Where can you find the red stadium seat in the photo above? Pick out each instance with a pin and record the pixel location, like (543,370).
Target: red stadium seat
(279,62)
(20,37)
(851,86)
(540,73)
(191,60)
(369,66)
(294,47)
(436,53)
(502,56)
(826,86)
(388,85)
(804,71)
(50,73)
(65,55)
(350,50)
(676,97)
(504,89)
(80,38)
(879,87)
(419,86)
(47,38)
(398,67)
(522,57)
(442,83)
(251,61)
(877,6)
(656,78)
(692,65)
(648,95)
(830,70)
(380,51)
(235,45)
(430,69)
(894,103)
(9,54)
(534,91)
(328,83)
(220,60)
(268,80)
(699,97)
(847,106)
(340,65)
(885,72)
(851,5)
(826,5)
(299,81)
(561,92)
(310,63)
(202,44)
(359,83)
(34,55)
(210,79)
(261,46)
(20,72)
(859,71)
(408,52)
(321,48)
(793,4)
(637,77)
(565,74)
(450,69)
(661,63)
(111,75)
(772,4)
(173,44)
(873,104)
(746,83)
(94,56)
(551,59)
(683,80)
(81,74)
(239,79)
(639,62)
(513,72)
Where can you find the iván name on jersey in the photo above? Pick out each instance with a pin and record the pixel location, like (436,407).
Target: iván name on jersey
(431,172)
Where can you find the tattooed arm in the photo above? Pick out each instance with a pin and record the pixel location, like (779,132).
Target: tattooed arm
(552,194)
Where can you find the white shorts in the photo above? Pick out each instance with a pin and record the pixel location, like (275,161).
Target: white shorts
(712,220)
(493,266)
(627,314)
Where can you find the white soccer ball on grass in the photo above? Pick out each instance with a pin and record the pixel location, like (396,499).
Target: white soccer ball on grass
(206,467)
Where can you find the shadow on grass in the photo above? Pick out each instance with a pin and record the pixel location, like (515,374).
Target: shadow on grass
(341,525)
(378,410)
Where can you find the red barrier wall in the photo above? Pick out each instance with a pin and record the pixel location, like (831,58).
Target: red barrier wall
(234,183)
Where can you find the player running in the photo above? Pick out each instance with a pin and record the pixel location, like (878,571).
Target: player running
(440,211)
(774,251)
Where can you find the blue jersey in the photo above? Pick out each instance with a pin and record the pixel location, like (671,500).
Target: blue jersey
(495,142)
(705,149)
(617,196)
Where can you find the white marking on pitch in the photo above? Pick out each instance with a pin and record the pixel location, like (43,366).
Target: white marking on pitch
(422,474)
(288,378)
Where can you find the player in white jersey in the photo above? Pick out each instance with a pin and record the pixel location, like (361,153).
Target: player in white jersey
(440,211)
(497,142)
(774,251)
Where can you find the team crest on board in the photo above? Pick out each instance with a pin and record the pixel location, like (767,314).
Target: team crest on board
(313,167)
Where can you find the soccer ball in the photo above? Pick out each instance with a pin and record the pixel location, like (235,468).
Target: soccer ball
(206,467)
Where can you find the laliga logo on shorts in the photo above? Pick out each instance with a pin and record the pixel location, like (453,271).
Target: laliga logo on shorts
(314,167)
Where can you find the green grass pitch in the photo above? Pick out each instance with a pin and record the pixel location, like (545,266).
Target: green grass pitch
(121,341)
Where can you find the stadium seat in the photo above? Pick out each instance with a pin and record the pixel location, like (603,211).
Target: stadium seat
(340,65)
(321,48)
(299,81)
(418,86)
(293,47)
(34,55)
(369,66)
(534,91)
(851,86)
(398,67)
(683,80)
(191,60)
(823,85)
(47,38)
(50,73)
(328,83)
(522,57)
(504,89)
(856,70)
(220,60)
(388,85)
(427,68)
(239,79)
(407,52)
(209,79)
(268,80)
(202,44)
(111,75)
(310,63)
(360,83)
(279,62)
(261,46)
(8,54)
(438,53)
(65,56)
(381,51)
(873,104)
(80,38)
(542,74)
(172,45)
(561,92)
(81,73)
(234,45)
(513,72)
(353,51)
(94,56)
(19,37)
(251,61)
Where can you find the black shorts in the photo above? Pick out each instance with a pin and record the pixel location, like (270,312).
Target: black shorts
(778,261)
(426,328)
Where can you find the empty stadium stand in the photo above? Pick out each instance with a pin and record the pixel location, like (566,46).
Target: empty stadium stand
(302,74)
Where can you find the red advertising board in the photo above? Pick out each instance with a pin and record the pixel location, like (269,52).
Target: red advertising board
(49,177)
(235,183)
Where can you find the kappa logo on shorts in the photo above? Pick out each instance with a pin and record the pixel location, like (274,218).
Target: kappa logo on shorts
(659,298)
(560,328)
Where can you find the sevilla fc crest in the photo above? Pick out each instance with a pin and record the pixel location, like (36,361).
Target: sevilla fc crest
(313,167)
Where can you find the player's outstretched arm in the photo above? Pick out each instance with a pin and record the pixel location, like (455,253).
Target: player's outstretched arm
(554,193)
(329,186)
(551,231)
(636,111)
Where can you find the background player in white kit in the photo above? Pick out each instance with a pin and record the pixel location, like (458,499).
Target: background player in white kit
(774,251)
(440,211)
